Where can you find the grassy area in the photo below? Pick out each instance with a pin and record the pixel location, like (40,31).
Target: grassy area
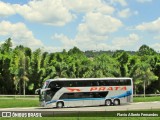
(146,99)
(5,103)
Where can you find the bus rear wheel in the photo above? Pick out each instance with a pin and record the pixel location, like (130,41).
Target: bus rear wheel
(60,104)
(116,102)
(108,102)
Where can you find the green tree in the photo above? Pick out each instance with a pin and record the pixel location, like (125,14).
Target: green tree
(106,66)
(19,68)
(6,83)
(143,75)
(146,50)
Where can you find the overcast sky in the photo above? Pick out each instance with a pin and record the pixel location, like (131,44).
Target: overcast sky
(54,25)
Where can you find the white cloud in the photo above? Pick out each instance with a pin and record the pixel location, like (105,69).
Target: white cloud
(19,34)
(88,6)
(153,26)
(95,30)
(52,49)
(92,33)
(65,41)
(121,2)
(157,37)
(99,24)
(54,12)
(124,13)
(6,9)
(156,46)
(144,1)
(51,12)
(121,42)
(85,42)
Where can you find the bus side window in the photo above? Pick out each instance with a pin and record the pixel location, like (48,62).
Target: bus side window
(94,83)
(71,96)
(70,84)
(87,83)
(64,96)
(116,82)
(78,95)
(128,82)
(81,84)
(65,83)
(101,83)
(107,83)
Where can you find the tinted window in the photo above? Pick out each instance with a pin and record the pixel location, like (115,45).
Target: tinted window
(102,83)
(117,82)
(86,83)
(84,95)
(94,83)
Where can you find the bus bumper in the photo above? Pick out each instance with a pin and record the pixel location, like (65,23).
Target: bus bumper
(48,105)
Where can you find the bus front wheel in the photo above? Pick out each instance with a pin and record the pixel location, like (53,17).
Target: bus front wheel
(60,104)
(108,102)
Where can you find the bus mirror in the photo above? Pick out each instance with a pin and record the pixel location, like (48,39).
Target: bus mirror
(42,90)
(37,91)
(48,89)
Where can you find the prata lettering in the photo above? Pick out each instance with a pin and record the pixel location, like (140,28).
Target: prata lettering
(108,88)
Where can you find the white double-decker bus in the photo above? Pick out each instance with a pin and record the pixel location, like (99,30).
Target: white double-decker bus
(86,92)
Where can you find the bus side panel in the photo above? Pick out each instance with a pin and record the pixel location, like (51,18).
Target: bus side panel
(125,96)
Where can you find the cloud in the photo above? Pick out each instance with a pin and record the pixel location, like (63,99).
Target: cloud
(54,12)
(66,43)
(51,12)
(6,9)
(156,46)
(157,37)
(153,26)
(121,2)
(121,42)
(87,43)
(20,34)
(88,6)
(92,33)
(99,24)
(95,30)
(124,13)
(144,1)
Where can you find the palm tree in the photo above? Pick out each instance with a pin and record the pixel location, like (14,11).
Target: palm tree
(143,75)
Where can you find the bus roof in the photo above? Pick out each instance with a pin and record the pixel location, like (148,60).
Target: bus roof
(79,79)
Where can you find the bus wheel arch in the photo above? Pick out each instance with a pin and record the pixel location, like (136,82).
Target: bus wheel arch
(116,102)
(108,102)
(60,104)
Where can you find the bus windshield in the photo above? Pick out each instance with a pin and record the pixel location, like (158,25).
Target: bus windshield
(47,94)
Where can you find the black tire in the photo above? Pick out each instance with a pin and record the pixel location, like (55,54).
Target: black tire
(116,102)
(60,104)
(108,102)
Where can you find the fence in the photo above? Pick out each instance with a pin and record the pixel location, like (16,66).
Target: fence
(19,97)
(147,95)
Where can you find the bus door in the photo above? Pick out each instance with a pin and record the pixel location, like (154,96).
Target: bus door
(96,99)
(128,96)
(72,99)
(89,99)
